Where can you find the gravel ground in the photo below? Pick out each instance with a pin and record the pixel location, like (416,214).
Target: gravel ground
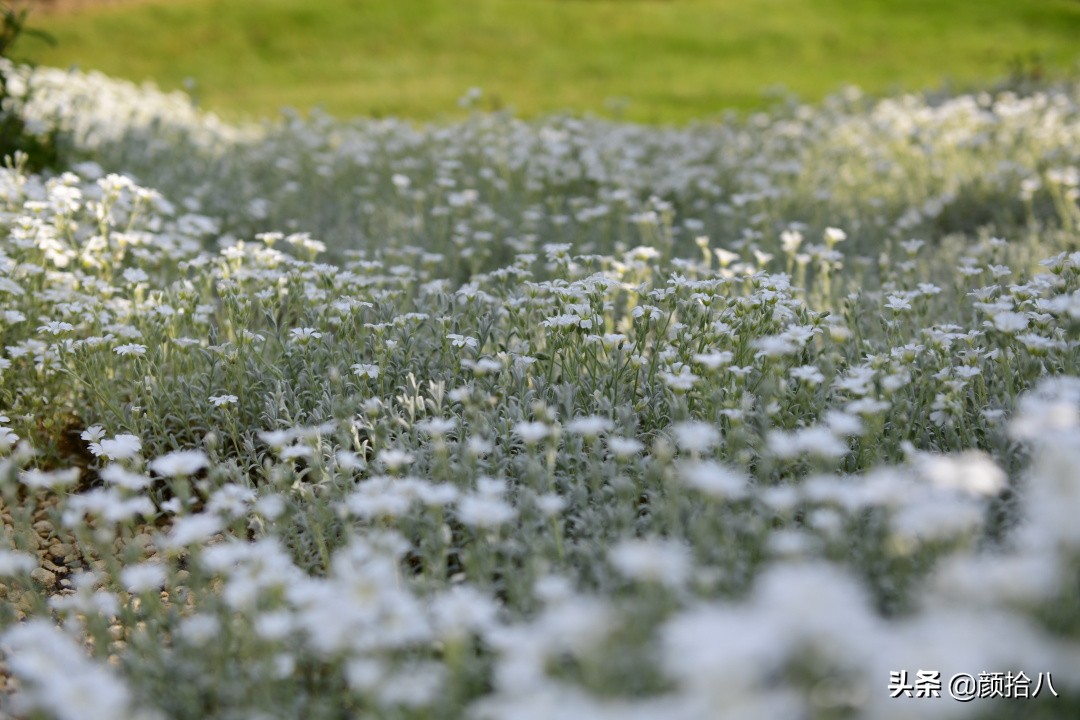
(58,562)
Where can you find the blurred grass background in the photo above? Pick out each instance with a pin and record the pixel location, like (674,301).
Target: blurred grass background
(645,60)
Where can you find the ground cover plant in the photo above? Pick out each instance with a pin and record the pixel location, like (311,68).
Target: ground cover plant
(649,61)
(559,418)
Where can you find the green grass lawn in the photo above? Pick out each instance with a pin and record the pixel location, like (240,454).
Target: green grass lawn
(661,60)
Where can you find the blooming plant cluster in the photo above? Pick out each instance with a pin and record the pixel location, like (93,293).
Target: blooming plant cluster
(554,419)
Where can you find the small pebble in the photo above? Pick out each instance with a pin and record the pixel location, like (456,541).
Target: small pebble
(44,577)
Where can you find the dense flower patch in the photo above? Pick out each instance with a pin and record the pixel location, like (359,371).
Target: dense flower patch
(539,420)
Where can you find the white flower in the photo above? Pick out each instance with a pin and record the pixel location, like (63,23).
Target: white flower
(834,235)
(366,370)
(122,447)
(696,437)
(483,366)
(16,563)
(274,625)
(122,477)
(484,510)
(611,341)
(842,424)
(8,438)
(790,240)
(666,562)
(364,674)
(56,327)
(94,433)
(857,382)
(143,577)
(348,460)
(304,334)
(395,458)
(715,359)
(462,340)
(935,517)
(270,506)
(292,452)
(277,438)
(193,529)
(531,432)
(680,382)
(551,504)
(231,501)
(818,441)
(180,463)
(436,495)
(57,677)
(726,257)
(306,242)
(867,407)
(52,479)
(418,684)
(130,349)
(478,446)
(222,400)
(199,629)
(589,426)
(624,448)
(808,374)
(838,332)
(106,503)
(650,311)
(912,246)
(972,472)
(135,275)
(1010,322)
(495,487)
(436,427)
(898,303)
(774,346)
(566,320)
(461,611)
(714,479)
